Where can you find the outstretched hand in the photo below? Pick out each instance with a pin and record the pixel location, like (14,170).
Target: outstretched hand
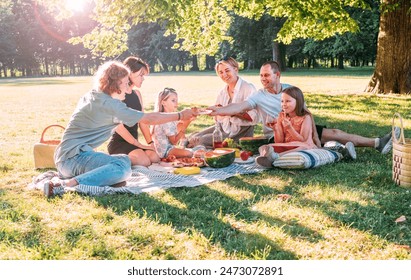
(188,114)
(272,125)
(214,109)
(271,122)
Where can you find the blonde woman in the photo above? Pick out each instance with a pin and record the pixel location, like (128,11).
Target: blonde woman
(236,90)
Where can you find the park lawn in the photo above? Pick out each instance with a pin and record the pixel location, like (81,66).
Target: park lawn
(346,210)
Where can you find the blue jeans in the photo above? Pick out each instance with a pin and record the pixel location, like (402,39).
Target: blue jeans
(96,168)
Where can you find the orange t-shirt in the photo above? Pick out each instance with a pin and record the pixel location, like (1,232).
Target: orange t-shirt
(296,123)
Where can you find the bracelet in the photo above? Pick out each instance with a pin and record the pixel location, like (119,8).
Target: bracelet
(179,116)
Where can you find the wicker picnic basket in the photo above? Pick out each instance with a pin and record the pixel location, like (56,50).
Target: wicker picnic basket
(401,156)
(44,150)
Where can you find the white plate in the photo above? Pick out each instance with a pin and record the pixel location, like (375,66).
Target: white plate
(204,112)
(239,160)
(161,168)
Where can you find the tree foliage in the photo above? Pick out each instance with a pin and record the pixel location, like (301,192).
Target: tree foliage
(200,25)
(32,42)
(148,40)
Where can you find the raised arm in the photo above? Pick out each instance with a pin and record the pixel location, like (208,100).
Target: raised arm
(181,130)
(278,133)
(316,139)
(145,128)
(231,109)
(306,129)
(159,118)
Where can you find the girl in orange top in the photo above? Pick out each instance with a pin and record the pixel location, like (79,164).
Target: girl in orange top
(293,130)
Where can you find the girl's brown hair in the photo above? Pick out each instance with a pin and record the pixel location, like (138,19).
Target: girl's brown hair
(297,94)
(108,76)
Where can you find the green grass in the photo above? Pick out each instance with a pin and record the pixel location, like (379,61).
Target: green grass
(341,211)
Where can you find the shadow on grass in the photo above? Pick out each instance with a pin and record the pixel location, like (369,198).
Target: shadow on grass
(379,220)
(380,203)
(220,218)
(208,211)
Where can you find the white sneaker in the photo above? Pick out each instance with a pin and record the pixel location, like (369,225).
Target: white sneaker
(264,162)
(385,145)
(350,148)
(267,156)
(265,150)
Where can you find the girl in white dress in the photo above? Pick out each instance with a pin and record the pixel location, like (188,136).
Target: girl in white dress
(167,135)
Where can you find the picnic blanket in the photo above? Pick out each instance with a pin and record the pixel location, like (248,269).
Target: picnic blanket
(151,179)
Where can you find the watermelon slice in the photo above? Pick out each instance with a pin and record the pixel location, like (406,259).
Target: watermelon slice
(219,158)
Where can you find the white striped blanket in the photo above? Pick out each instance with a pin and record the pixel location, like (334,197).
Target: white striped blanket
(148,180)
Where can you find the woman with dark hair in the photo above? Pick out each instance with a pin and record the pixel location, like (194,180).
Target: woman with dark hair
(95,118)
(125,139)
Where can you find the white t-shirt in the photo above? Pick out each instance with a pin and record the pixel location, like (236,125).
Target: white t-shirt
(267,103)
(93,122)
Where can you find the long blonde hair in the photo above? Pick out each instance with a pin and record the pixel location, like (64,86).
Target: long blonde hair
(163,95)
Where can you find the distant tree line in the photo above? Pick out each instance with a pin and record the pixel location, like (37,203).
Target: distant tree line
(34,43)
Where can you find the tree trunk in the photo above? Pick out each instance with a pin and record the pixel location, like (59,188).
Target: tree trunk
(279,54)
(210,62)
(290,62)
(165,67)
(46,66)
(392,73)
(340,61)
(195,64)
(72,69)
